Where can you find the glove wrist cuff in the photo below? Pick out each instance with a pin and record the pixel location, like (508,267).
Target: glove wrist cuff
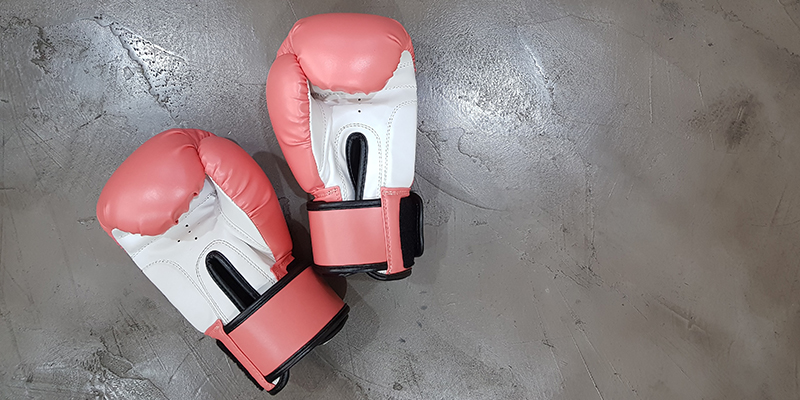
(380,237)
(299,312)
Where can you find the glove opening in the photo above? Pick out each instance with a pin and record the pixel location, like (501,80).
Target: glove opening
(230,281)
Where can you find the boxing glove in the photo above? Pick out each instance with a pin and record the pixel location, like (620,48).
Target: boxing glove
(201,220)
(342,98)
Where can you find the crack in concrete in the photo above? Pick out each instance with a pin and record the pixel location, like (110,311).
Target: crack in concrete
(733,17)
(166,72)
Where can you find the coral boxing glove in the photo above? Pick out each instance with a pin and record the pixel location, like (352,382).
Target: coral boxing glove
(342,98)
(201,220)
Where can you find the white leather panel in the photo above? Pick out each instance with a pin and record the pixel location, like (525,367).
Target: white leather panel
(175,260)
(387,118)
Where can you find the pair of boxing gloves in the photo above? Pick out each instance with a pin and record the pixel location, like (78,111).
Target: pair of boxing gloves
(202,221)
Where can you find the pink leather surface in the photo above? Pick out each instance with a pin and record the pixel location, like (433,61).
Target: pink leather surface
(347,52)
(360,235)
(287,102)
(217,331)
(240,177)
(342,52)
(153,187)
(390,208)
(347,237)
(287,321)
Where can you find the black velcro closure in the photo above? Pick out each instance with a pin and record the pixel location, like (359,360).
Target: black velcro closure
(411,224)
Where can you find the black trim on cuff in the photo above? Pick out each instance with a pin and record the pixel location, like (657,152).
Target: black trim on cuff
(347,270)
(238,363)
(390,277)
(326,333)
(342,205)
(277,388)
(412,241)
(281,384)
(372,270)
(292,270)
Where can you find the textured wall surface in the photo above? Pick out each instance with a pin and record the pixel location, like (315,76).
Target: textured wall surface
(611,192)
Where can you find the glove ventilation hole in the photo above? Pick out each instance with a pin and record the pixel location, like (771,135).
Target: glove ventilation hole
(356,153)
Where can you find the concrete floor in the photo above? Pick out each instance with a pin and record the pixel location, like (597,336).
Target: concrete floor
(612,208)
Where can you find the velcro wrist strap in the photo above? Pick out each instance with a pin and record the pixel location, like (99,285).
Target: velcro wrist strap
(367,235)
(292,317)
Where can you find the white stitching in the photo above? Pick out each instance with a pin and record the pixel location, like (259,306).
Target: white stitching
(183,217)
(389,134)
(204,293)
(325,139)
(205,251)
(324,96)
(230,222)
(377,140)
(399,87)
(242,232)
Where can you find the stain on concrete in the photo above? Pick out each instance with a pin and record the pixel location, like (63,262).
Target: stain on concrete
(732,118)
(465,375)
(483,89)
(43,51)
(671,11)
(42,47)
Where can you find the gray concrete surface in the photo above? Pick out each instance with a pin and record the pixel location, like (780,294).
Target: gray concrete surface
(611,191)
